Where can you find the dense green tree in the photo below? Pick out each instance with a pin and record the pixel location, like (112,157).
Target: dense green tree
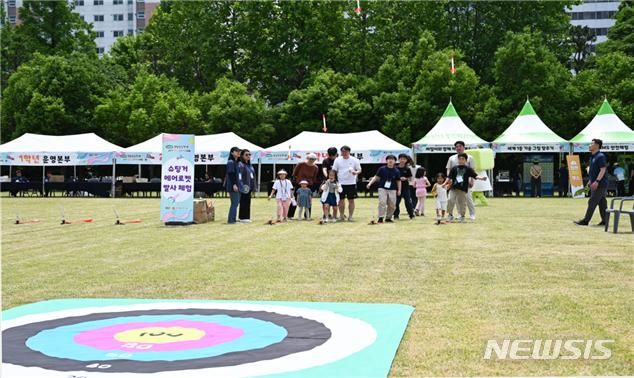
(621,35)
(581,38)
(55,94)
(230,107)
(151,104)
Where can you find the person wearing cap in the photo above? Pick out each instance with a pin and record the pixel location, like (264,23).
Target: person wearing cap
(348,169)
(304,203)
(283,192)
(598,182)
(453,162)
(536,179)
(231,184)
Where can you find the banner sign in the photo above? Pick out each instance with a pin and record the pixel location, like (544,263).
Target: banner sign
(606,147)
(56,158)
(138,158)
(294,156)
(534,148)
(443,148)
(177,179)
(206,158)
(575,176)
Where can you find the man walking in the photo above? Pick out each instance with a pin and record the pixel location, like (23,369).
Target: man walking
(453,162)
(598,184)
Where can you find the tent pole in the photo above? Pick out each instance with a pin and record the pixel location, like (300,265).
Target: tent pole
(140,171)
(75,172)
(43,179)
(259,176)
(114,176)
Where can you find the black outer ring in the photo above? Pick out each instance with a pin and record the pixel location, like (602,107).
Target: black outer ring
(303,334)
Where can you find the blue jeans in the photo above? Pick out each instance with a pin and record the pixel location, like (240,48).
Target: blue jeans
(233,209)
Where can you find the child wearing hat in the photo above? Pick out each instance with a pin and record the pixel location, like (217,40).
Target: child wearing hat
(283,191)
(304,200)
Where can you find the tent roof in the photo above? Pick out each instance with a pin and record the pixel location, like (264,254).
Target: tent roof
(528,128)
(449,129)
(606,126)
(89,142)
(309,141)
(204,143)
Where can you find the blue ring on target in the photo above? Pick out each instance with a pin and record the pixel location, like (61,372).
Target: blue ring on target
(59,342)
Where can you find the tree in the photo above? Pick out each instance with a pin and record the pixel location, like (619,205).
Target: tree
(581,38)
(55,94)
(524,67)
(148,106)
(47,27)
(621,35)
(230,107)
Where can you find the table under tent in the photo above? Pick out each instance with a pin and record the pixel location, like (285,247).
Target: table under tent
(529,135)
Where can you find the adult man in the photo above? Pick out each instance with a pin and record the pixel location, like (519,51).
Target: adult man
(406,175)
(326,165)
(390,186)
(619,173)
(536,179)
(598,184)
(458,179)
(452,162)
(348,169)
(19,179)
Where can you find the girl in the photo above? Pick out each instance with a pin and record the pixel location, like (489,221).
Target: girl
(283,191)
(440,192)
(421,183)
(304,200)
(330,190)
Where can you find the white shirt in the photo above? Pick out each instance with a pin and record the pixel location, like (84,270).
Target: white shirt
(282,188)
(441,193)
(453,161)
(344,168)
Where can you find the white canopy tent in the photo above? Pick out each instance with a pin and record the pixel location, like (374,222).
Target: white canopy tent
(608,127)
(449,129)
(368,146)
(528,133)
(63,150)
(209,149)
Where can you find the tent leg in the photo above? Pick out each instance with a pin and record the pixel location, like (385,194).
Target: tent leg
(43,180)
(259,176)
(75,172)
(140,171)
(114,176)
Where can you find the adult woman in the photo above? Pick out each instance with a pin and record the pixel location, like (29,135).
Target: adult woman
(246,183)
(231,184)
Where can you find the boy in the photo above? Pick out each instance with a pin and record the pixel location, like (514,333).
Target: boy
(458,182)
(389,178)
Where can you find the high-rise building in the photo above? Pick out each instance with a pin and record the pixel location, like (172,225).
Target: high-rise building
(110,19)
(598,15)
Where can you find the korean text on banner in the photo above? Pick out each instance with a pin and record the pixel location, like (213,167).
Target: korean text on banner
(576,179)
(177,179)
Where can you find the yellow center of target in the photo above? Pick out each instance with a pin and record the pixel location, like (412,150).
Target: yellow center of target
(159,335)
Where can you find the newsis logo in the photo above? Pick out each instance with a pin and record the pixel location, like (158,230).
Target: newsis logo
(548,349)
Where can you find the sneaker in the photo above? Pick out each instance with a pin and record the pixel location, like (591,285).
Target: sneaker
(350,219)
(333,220)
(245,221)
(380,220)
(460,219)
(389,220)
(285,220)
(601,224)
(449,217)
(580,222)
(416,213)
(472,218)
(396,217)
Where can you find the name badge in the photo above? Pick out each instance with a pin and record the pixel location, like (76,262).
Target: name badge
(388,184)
(459,179)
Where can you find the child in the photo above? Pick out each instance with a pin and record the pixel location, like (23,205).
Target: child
(440,192)
(389,178)
(304,200)
(330,190)
(459,182)
(283,191)
(421,183)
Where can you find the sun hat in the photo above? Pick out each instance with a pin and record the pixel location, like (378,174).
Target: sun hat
(281,171)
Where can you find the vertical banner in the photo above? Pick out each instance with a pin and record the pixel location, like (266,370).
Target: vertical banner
(177,179)
(575,177)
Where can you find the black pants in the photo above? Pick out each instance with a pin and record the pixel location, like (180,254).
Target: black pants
(536,186)
(244,211)
(406,197)
(597,198)
(620,188)
(563,189)
(412,196)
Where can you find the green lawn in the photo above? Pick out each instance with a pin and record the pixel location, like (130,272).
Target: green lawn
(523,270)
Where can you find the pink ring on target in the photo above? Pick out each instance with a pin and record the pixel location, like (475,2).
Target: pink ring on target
(173,335)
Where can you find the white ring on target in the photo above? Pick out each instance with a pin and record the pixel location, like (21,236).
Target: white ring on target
(348,336)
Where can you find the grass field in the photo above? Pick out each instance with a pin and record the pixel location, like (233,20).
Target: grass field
(523,270)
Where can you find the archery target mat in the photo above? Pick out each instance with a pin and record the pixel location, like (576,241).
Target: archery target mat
(90,338)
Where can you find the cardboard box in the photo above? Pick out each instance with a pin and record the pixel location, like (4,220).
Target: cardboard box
(204,211)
